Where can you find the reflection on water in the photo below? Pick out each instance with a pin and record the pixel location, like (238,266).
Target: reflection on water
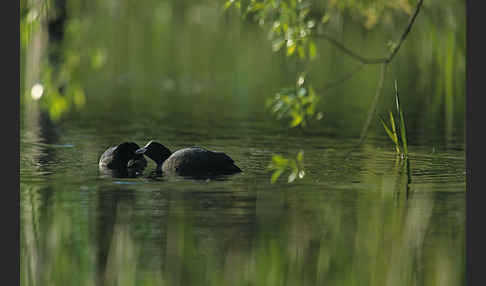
(346,223)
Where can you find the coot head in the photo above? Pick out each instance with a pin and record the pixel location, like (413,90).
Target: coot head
(125,153)
(122,157)
(155,151)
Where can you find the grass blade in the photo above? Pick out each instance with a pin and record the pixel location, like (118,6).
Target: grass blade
(391,134)
(403,130)
(387,129)
(395,135)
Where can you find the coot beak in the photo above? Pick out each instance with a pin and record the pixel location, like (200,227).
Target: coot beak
(141,150)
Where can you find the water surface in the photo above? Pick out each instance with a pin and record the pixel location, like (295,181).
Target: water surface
(348,222)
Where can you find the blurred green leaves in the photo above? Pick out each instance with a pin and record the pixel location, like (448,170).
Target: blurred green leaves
(60,97)
(58,89)
(298,104)
(31,14)
(28,24)
(288,23)
(229,3)
(289,29)
(280,164)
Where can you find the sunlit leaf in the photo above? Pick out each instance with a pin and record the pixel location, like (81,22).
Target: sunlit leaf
(227,4)
(292,176)
(301,51)
(280,164)
(291,50)
(285,27)
(98,58)
(301,80)
(279,160)
(325,18)
(277,106)
(297,119)
(312,50)
(391,45)
(78,97)
(301,174)
(310,109)
(58,106)
(300,157)
(277,44)
(276,175)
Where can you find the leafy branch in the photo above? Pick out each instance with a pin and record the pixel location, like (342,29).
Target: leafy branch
(293,26)
(281,164)
(395,47)
(297,103)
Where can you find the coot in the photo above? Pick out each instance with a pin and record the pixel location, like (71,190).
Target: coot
(122,158)
(192,161)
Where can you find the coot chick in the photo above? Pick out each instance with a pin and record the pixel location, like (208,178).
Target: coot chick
(193,161)
(123,158)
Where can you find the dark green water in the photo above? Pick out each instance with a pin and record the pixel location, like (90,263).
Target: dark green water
(346,223)
(182,74)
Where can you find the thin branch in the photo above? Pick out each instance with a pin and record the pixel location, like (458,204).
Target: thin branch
(373,104)
(407,30)
(387,59)
(383,61)
(343,78)
(363,60)
(366,126)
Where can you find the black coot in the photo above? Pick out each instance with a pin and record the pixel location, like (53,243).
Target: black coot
(193,161)
(122,158)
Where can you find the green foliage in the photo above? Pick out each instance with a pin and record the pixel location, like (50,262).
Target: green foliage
(292,27)
(61,91)
(371,13)
(292,23)
(281,164)
(289,29)
(60,97)
(296,103)
(400,141)
(31,14)
(28,24)
(289,24)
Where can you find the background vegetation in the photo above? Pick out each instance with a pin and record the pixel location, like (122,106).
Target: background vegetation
(203,41)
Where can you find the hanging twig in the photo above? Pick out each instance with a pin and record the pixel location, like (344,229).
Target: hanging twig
(366,126)
(370,61)
(363,60)
(367,61)
(374,103)
(343,78)
(407,30)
